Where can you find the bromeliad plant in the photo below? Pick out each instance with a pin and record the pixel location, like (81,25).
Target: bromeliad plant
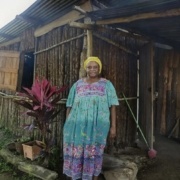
(41,102)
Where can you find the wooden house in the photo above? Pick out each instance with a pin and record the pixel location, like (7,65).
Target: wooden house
(137,41)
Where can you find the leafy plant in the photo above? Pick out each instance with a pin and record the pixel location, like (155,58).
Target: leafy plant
(6,137)
(23,139)
(41,101)
(4,166)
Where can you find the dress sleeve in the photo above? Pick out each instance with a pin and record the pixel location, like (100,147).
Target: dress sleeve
(71,96)
(111,94)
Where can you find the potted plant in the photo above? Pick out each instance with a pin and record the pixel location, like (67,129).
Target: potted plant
(41,103)
(19,142)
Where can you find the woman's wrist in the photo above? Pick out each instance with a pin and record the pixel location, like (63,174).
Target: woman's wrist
(113,126)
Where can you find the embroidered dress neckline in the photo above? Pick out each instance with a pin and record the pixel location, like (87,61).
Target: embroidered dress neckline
(83,79)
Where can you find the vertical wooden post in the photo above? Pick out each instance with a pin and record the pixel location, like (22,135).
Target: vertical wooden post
(164,100)
(146,92)
(87,49)
(83,57)
(89,43)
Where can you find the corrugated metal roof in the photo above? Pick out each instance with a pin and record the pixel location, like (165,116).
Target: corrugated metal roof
(125,3)
(165,29)
(41,12)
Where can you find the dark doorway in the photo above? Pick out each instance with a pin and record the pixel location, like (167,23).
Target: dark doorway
(28,70)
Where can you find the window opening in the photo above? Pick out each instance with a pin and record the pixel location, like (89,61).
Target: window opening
(28,70)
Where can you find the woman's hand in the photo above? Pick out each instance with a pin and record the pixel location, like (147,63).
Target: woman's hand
(68,111)
(112,132)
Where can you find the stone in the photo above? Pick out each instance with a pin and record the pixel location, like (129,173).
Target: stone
(117,169)
(23,165)
(139,160)
(10,157)
(38,171)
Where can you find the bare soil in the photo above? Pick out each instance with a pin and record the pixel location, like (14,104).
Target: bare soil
(166,166)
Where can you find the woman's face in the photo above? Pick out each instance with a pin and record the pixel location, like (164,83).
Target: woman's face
(92,69)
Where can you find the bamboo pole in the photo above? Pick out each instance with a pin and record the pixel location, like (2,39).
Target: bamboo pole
(81,25)
(152,96)
(66,41)
(79,9)
(174,128)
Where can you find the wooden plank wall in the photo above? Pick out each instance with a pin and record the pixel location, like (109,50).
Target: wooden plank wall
(61,66)
(120,68)
(167,85)
(10,114)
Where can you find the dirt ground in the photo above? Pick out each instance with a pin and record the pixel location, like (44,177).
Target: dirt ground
(166,166)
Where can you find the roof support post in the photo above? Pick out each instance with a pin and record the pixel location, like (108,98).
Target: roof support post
(89,43)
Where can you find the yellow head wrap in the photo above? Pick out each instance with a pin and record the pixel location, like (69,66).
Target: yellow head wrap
(95,59)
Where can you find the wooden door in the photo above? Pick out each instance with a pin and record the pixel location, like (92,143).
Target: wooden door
(146,92)
(9,65)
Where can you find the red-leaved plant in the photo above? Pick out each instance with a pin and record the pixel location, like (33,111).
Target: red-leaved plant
(41,102)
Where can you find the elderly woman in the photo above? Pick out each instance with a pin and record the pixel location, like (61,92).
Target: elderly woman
(90,116)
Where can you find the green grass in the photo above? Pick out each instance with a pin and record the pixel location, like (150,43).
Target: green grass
(5,167)
(6,137)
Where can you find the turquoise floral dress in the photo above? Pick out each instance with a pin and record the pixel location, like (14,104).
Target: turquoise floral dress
(87,127)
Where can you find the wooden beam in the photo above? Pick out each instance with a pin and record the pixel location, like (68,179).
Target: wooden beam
(7,43)
(150,15)
(81,25)
(71,16)
(79,9)
(115,44)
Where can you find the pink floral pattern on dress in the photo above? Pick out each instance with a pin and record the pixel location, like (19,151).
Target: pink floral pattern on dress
(86,161)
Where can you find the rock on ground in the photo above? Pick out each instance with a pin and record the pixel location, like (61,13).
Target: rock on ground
(117,169)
